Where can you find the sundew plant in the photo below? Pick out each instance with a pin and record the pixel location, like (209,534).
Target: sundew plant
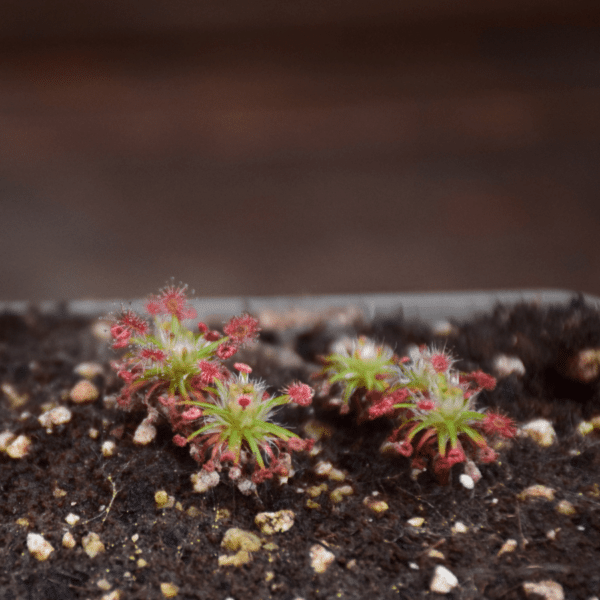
(181,375)
(431,403)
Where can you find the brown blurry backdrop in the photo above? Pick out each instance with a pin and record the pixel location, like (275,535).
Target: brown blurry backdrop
(257,148)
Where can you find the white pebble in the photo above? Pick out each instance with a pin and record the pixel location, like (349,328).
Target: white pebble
(108,448)
(38,546)
(84,392)
(540,431)
(459,527)
(6,438)
(89,370)
(92,544)
(320,558)
(72,519)
(56,416)
(549,590)
(68,541)
(144,433)
(443,581)
(19,447)
(204,480)
(505,365)
(467,481)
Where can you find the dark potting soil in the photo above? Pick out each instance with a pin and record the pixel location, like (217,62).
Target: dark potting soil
(376,555)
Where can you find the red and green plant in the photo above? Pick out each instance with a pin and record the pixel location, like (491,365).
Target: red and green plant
(226,419)
(432,404)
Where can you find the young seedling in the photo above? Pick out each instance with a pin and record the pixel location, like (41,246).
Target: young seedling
(364,367)
(434,406)
(179,374)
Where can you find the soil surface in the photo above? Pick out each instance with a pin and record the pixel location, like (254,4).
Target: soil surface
(374,554)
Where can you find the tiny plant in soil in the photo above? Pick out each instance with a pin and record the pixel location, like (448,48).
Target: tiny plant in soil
(225,418)
(431,403)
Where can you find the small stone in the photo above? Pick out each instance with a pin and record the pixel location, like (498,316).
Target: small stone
(433,553)
(443,580)
(92,545)
(540,431)
(320,558)
(508,546)
(68,540)
(84,392)
(104,584)
(22,522)
(537,491)
(108,448)
(564,507)
(89,370)
(376,506)
(93,433)
(114,595)
(323,468)
(459,527)
(504,365)
(240,558)
(549,590)
(72,519)
(238,539)
(19,447)
(585,428)
(204,480)
(316,490)
(141,563)
(144,434)
(466,481)
(169,590)
(416,521)
(336,475)
(6,438)
(275,522)
(163,500)
(38,546)
(337,495)
(56,416)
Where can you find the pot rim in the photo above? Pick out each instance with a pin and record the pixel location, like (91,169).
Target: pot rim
(425,306)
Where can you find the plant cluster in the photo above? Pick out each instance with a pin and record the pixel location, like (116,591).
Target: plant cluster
(224,417)
(431,403)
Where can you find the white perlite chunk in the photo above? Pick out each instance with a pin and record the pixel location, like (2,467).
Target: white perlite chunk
(84,392)
(504,365)
(6,438)
(540,431)
(56,416)
(204,480)
(320,558)
(274,522)
(92,544)
(68,540)
(38,546)
(89,370)
(549,590)
(144,433)
(19,447)
(72,519)
(466,481)
(108,448)
(443,580)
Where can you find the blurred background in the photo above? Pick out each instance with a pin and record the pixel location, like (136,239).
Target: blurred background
(267,148)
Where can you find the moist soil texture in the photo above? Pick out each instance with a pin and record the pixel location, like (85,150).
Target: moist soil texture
(150,552)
